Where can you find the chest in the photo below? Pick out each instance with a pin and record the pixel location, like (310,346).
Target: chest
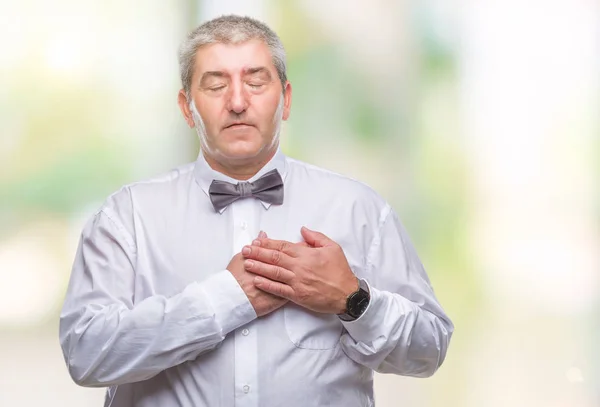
(176,248)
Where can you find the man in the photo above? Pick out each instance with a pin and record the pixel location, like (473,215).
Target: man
(172,303)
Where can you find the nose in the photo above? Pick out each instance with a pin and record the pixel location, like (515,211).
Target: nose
(238,98)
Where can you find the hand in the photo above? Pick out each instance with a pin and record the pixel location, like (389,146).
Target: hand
(314,274)
(262,301)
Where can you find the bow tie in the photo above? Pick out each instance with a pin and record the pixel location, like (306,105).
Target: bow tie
(268,188)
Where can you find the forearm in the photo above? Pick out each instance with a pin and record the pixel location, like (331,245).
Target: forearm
(110,343)
(396,335)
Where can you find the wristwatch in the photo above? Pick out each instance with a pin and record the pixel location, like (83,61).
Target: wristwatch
(357,302)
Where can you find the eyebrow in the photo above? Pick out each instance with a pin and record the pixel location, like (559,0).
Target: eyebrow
(208,74)
(258,69)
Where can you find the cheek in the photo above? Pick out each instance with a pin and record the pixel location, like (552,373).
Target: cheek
(267,109)
(211,115)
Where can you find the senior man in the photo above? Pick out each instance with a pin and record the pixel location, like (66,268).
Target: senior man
(246,278)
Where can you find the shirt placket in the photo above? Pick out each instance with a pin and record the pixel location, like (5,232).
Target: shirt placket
(246,343)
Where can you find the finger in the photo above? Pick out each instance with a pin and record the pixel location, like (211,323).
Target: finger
(262,235)
(269,271)
(314,238)
(269,256)
(291,249)
(274,287)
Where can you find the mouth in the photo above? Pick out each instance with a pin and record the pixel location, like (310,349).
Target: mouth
(238,126)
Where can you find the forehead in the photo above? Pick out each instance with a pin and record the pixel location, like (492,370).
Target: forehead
(232,58)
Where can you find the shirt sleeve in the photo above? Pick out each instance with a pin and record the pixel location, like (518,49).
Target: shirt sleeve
(404,330)
(108,340)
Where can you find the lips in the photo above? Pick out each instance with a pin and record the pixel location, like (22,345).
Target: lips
(237,125)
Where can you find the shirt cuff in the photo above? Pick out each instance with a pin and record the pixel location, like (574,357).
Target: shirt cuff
(366,328)
(231,306)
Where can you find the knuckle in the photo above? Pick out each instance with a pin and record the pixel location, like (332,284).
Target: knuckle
(270,288)
(302,295)
(275,257)
(277,273)
(321,260)
(267,285)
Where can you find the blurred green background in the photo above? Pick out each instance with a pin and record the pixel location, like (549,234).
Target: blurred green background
(477,120)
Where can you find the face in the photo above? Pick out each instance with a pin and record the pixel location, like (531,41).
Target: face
(236,102)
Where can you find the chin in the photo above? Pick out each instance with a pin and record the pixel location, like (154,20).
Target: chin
(242,150)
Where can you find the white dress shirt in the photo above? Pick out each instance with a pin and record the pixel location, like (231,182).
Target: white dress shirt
(152,313)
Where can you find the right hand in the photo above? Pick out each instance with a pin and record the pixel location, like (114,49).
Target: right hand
(263,302)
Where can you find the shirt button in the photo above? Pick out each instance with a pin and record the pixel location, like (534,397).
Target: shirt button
(246,388)
(244,226)
(245,332)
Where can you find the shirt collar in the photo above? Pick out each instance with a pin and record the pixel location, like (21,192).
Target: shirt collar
(205,175)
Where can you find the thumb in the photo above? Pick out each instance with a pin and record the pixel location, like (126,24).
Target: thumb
(314,238)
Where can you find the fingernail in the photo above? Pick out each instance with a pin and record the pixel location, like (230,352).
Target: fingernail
(246,250)
(258,280)
(249,264)
(262,234)
(256,242)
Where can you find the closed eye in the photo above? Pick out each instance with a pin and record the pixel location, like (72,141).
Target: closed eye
(216,88)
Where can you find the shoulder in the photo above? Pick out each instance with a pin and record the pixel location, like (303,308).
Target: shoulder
(336,187)
(120,205)
(156,187)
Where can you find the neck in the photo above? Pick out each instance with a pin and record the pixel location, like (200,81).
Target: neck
(241,170)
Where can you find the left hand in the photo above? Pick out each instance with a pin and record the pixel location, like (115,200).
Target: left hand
(314,274)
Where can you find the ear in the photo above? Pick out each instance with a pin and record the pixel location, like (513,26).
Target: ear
(184,105)
(287,100)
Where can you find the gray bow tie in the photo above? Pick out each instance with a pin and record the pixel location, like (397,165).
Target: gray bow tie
(268,188)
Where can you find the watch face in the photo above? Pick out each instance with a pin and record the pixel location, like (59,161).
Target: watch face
(363,304)
(358,303)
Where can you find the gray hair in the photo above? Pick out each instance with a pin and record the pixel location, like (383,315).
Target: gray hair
(229,29)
